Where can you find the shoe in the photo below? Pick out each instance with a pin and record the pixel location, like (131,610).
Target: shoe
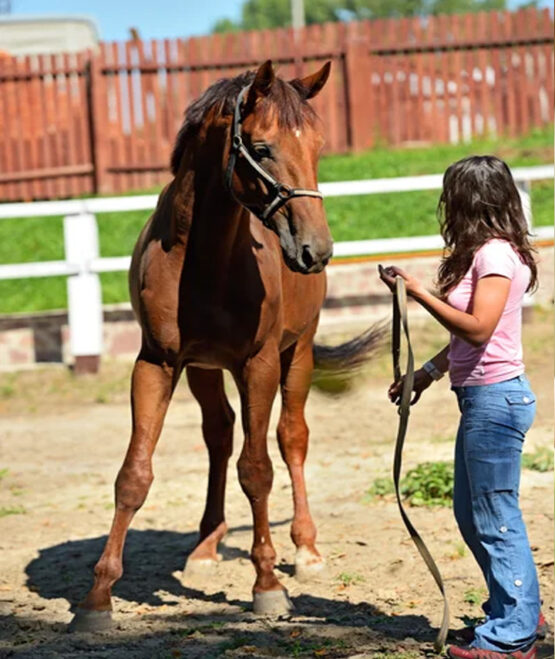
(543,627)
(467,634)
(468,652)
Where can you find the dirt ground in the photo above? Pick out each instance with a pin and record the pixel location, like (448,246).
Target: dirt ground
(62,442)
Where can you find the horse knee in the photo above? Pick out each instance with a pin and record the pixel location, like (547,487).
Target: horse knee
(132,485)
(255,475)
(293,441)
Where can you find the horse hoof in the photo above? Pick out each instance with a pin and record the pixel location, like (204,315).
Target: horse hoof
(87,620)
(272,603)
(199,568)
(309,566)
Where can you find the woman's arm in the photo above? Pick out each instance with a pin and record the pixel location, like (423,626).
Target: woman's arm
(422,379)
(441,361)
(475,327)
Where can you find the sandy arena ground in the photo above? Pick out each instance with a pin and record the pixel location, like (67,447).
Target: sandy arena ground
(62,442)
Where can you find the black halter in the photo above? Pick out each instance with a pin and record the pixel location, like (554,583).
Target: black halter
(281,193)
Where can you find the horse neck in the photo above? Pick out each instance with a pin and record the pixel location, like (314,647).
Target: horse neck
(218,227)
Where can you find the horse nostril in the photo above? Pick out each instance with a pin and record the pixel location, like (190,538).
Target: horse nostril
(307,257)
(325,261)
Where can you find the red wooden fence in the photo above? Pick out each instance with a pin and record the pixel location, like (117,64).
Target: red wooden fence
(105,122)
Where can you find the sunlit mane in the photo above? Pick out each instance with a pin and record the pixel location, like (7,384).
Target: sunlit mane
(293,110)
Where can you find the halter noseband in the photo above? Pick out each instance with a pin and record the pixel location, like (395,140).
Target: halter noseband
(281,193)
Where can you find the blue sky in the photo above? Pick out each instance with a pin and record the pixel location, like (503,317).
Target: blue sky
(153,18)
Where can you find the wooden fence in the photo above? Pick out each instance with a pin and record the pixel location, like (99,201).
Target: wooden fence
(105,122)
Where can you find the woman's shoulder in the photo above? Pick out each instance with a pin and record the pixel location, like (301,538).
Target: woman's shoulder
(497,247)
(496,256)
(501,244)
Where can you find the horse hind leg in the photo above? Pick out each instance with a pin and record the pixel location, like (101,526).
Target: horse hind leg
(207,386)
(152,386)
(292,432)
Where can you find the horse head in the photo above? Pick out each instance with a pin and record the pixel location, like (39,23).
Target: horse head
(274,145)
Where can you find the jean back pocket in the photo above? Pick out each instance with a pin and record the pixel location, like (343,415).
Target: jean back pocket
(522,407)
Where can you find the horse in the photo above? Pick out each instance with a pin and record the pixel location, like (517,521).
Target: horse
(228,273)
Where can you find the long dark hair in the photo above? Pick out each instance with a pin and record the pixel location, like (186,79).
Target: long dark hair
(479,201)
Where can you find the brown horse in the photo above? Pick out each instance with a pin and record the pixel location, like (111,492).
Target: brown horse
(228,273)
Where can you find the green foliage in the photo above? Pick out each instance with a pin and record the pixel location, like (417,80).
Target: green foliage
(349,578)
(429,484)
(310,647)
(460,550)
(381,487)
(474,595)
(262,14)
(540,460)
(13,510)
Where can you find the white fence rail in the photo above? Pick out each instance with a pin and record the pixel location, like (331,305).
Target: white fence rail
(83,262)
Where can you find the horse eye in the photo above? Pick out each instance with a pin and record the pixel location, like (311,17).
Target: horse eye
(262,151)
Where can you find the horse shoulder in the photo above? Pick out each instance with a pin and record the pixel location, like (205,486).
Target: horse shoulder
(154,278)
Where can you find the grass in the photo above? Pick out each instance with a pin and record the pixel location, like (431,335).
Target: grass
(428,484)
(347,579)
(350,218)
(12,510)
(540,460)
(474,595)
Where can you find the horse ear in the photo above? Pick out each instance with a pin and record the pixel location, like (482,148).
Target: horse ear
(263,80)
(311,85)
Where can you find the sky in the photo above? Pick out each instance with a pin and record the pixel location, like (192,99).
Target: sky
(154,19)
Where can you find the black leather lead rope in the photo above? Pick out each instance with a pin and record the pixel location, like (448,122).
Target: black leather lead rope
(401,326)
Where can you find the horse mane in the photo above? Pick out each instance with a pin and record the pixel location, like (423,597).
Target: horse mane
(287,97)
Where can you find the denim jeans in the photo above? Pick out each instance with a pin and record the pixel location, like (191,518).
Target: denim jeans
(494,421)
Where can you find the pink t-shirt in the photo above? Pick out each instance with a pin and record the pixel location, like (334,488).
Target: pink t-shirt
(501,357)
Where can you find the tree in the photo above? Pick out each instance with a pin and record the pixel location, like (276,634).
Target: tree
(261,14)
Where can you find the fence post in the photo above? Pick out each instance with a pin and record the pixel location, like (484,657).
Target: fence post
(524,189)
(359,89)
(84,294)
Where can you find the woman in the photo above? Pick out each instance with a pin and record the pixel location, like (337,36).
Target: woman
(482,280)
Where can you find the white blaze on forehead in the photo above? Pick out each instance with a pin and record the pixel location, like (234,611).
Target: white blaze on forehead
(297,132)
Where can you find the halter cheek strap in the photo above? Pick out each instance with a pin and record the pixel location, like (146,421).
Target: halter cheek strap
(280,192)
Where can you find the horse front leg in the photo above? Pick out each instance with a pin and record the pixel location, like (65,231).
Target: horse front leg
(292,433)
(152,386)
(258,383)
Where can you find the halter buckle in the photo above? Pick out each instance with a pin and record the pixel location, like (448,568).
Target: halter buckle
(284,191)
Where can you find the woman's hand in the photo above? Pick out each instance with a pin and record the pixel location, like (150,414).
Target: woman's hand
(421,382)
(388,275)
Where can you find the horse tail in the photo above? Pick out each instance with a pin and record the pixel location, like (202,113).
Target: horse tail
(351,355)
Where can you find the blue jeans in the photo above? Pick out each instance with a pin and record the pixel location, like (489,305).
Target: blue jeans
(494,421)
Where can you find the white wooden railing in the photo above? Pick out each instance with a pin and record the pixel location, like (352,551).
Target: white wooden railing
(83,262)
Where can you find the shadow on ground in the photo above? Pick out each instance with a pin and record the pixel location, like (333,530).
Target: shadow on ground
(320,626)
(150,558)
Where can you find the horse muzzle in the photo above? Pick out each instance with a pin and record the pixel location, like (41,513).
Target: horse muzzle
(300,253)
